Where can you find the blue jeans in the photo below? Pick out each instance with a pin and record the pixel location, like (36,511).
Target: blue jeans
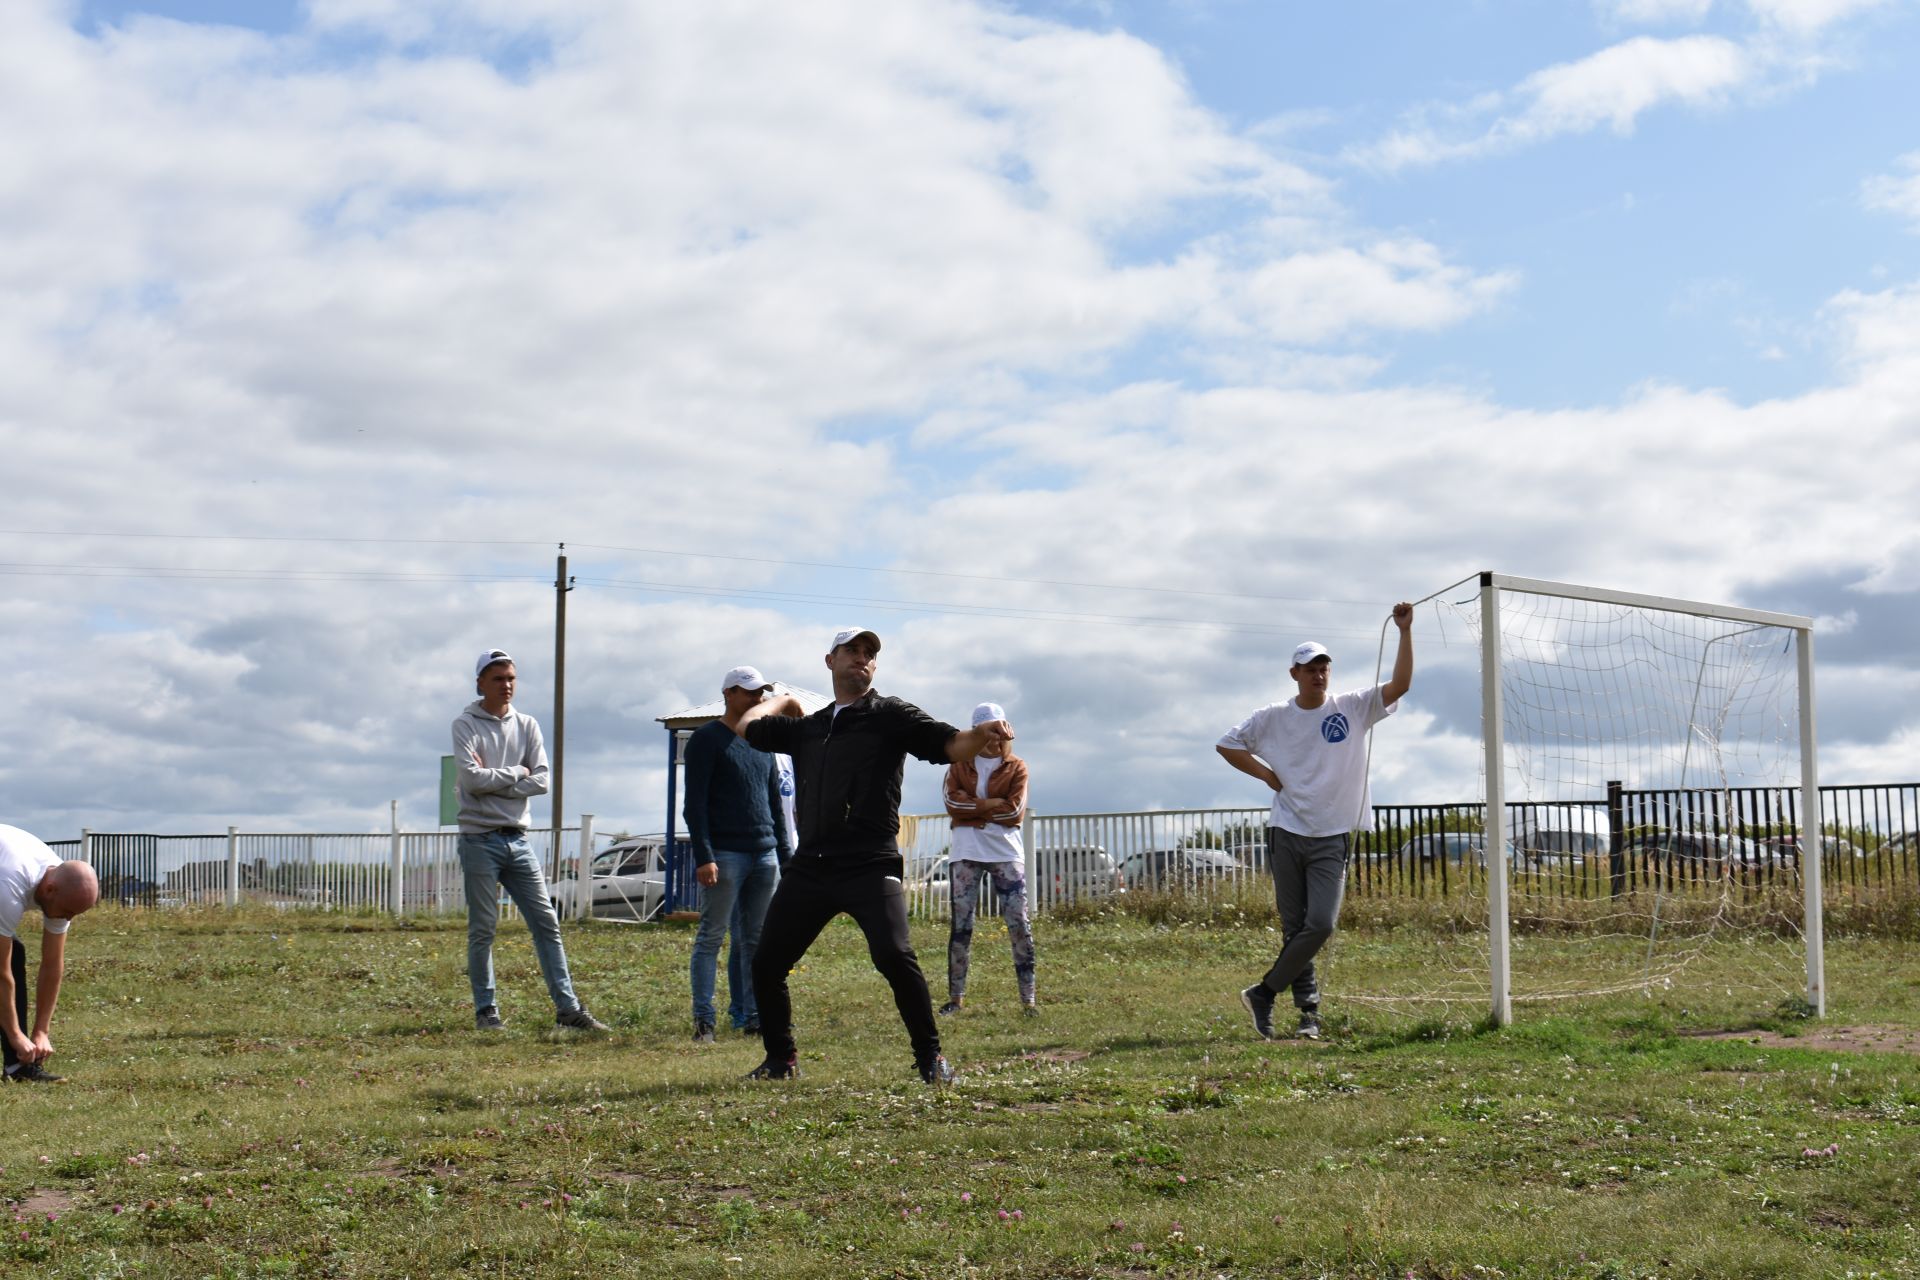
(495,860)
(737,900)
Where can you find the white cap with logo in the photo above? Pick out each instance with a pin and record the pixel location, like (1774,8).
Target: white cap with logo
(987,711)
(488,658)
(845,634)
(745,678)
(1309,651)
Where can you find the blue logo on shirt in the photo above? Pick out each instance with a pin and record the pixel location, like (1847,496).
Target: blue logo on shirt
(1334,728)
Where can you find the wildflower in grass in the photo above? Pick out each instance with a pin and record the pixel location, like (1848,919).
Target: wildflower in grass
(206,1202)
(966,1197)
(1116,1225)
(1137,1247)
(1003,1215)
(119,1209)
(1019,1216)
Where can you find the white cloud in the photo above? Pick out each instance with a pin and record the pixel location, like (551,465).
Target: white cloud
(1611,88)
(1656,12)
(1806,17)
(1898,192)
(1791,43)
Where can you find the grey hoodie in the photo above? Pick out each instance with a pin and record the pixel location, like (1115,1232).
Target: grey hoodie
(502,762)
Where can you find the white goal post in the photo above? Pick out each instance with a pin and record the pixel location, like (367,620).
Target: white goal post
(1493,587)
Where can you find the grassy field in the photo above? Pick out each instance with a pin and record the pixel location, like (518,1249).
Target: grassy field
(279,1095)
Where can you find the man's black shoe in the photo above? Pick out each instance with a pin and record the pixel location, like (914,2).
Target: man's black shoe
(703,1033)
(950,1008)
(772,1069)
(938,1071)
(487,1019)
(33,1073)
(1309,1024)
(1259,1002)
(752,1028)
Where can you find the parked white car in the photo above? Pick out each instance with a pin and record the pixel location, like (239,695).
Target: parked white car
(627,881)
(1065,872)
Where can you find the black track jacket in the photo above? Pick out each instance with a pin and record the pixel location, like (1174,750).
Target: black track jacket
(848,771)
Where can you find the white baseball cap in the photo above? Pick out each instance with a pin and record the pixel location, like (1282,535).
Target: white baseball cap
(745,678)
(1308,652)
(988,711)
(487,658)
(845,634)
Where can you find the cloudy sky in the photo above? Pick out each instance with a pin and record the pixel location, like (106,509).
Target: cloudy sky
(1093,353)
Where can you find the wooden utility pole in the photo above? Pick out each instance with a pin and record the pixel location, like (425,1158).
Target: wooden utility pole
(561,585)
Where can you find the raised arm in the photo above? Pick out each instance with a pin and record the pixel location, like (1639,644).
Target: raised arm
(1402,678)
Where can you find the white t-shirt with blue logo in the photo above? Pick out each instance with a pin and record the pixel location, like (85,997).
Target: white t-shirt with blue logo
(1320,757)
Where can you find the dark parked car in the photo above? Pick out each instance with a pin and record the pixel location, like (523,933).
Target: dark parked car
(1177,868)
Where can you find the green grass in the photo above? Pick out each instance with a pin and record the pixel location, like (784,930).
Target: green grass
(304,1096)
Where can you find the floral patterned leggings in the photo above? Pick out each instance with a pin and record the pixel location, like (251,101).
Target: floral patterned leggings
(1010,879)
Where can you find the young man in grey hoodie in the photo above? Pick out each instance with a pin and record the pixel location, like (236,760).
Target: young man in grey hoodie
(502,763)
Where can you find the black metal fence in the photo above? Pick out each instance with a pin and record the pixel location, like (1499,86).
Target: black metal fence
(1665,839)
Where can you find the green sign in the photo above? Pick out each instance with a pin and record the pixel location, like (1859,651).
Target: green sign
(449,792)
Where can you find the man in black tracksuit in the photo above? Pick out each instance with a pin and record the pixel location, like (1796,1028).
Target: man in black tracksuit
(848,760)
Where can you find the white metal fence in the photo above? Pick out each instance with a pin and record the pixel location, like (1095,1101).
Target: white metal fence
(401,871)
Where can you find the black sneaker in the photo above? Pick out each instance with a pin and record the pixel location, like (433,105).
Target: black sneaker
(1029,1009)
(938,1071)
(1309,1028)
(1259,1002)
(950,1008)
(580,1020)
(752,1028)
(488,1019)
(33,1073)
(771,1069)
(703,1033)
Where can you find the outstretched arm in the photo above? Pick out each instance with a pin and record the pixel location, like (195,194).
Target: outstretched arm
(784,705)
(1402,679)
(968,743)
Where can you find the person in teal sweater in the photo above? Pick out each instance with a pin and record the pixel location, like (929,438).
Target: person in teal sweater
(738,832)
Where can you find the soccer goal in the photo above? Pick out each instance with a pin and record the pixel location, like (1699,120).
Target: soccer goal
(1651,821)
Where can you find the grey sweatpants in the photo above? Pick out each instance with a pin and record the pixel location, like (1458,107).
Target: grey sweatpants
(1309,878)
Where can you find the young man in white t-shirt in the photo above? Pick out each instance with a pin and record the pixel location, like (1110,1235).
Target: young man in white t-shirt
(1312,750)
(32,875)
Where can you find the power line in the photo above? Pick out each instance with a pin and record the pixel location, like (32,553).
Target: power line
(747,594)
(706,555)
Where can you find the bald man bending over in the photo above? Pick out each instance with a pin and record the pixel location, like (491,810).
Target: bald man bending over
(32,875)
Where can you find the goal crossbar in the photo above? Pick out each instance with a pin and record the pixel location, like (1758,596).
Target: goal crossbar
(1567,591)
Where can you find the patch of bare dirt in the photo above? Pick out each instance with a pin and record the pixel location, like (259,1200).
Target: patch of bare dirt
(41,1201)
(1867,1038)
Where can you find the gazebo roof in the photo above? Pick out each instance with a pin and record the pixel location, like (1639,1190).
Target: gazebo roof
(694,717)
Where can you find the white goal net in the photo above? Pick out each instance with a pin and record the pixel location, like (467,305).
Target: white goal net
(1649,788)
